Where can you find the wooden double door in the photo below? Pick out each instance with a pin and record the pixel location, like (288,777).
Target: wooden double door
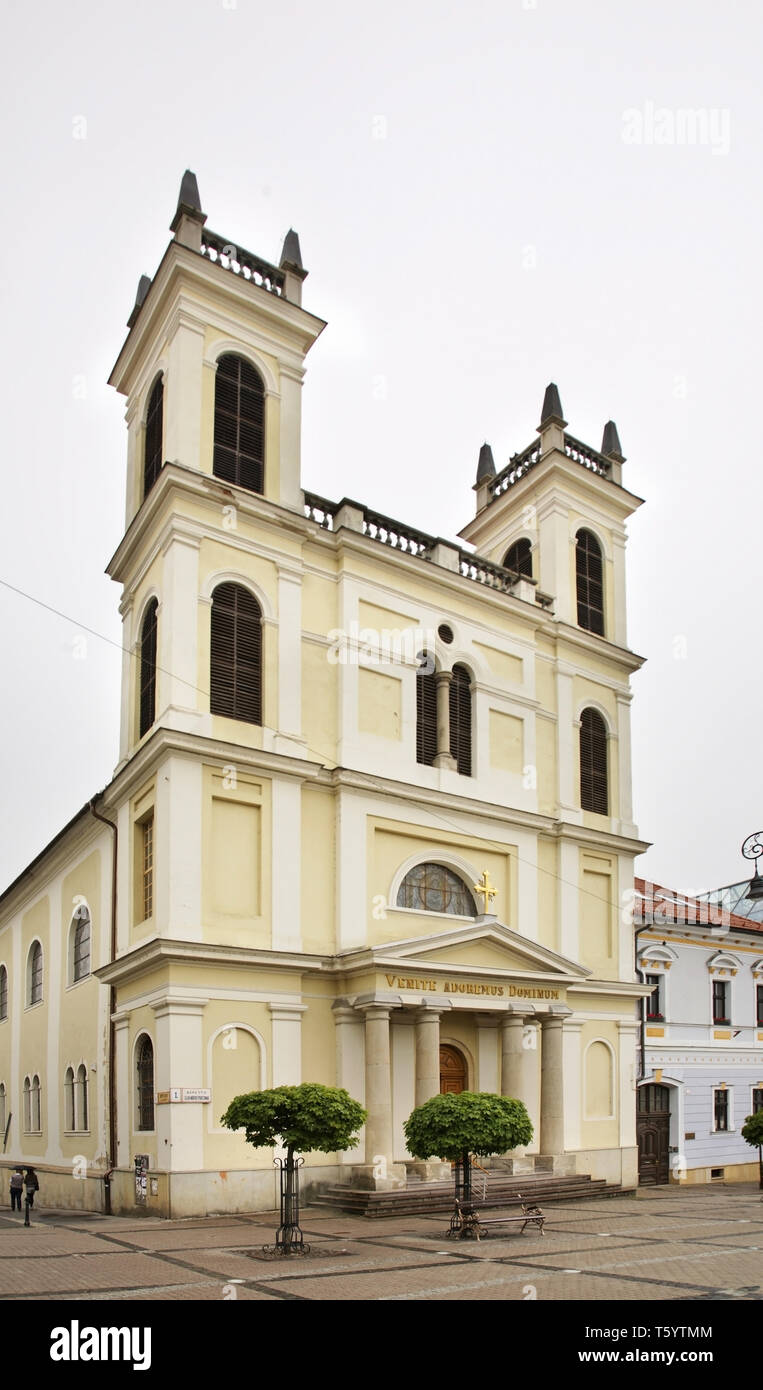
(653,1135)
(453,1072)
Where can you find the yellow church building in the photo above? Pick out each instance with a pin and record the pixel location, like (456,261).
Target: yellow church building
(371,822)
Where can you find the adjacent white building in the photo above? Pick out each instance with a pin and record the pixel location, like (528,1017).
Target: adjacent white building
(702,1038)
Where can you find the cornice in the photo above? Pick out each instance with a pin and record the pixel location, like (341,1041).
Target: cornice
(164,950)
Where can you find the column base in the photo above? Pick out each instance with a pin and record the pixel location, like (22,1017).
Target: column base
(366,1177)
(515,1163)
(564,1165)
(431,1170)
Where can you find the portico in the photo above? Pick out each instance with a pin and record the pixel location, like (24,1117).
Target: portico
(509,1011)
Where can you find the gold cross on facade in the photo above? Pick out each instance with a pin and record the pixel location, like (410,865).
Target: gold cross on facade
(485,888)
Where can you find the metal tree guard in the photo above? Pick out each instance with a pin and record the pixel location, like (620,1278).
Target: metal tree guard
(289,1237)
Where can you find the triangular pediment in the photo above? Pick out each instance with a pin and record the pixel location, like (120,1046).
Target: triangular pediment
(487,945)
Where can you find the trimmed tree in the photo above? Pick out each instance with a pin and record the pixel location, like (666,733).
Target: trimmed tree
(752,1131)
(472,1122)
(303,1119)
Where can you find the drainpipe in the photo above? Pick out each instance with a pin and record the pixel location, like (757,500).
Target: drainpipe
(112,1090)
(642,1006)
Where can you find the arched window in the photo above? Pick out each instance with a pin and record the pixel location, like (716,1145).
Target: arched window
(594,793)
(426,712)
(239,448)
(519,557)
(81,945)
(435,888)
(3,1116)
(36,1105)
(3,993)
(235,681)
(148,668)
(81,1097)
(461,720)
(69,1122)
(145,1083)
(34,974)
(152,458)
(590,582)
(27,1104)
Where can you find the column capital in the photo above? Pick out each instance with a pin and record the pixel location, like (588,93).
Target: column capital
(378,1003)
(286,1013)
(430,1011)
(556,1013)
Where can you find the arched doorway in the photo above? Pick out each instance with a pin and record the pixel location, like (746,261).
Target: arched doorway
(453,1073)
(653,1134)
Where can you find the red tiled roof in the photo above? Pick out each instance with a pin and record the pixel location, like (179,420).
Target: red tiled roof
(677,908)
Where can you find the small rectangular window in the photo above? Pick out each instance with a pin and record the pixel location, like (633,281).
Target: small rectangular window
(720,1111)
(757,1099)
(717,1172)
(654,1000)
(721,1001)
(148,867)
(759,997)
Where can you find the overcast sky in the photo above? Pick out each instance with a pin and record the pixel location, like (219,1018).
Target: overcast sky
(488,198)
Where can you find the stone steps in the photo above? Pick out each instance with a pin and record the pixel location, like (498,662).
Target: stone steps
(421,1198)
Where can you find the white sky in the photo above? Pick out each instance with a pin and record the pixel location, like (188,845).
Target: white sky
(475,225)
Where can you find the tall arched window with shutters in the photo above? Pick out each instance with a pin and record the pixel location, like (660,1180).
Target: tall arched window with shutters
(236,654)
(148,632)
(461,719)
(589,573)
(519,557)
(81,1097)
(594,788)
(239,445)
(3,993)
(69,1117)
(152,455)
(34,974)
(426,711)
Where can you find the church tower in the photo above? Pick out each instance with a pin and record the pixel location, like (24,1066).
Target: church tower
(212,370)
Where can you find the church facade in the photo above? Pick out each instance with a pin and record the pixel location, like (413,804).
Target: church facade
(371,823)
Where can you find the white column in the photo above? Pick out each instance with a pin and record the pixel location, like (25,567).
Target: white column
(351,850)
(179,1061)
(289,494)
(179,840)
(568,898)
(123,1080)
(443,758)
(130,664)
(625,809)
(487,1053)
(427,1022)
(527,888)
(573,1089)
(177,677)
(350,1064)
(287,1043)
(54,981)
(182,391)
(555,564)
(567,753)
(617,627)
(552,1083)
(626,1070)
(379,1170)
(289,656)
(286,880)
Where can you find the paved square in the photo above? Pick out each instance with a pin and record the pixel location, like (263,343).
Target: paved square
(663,1244)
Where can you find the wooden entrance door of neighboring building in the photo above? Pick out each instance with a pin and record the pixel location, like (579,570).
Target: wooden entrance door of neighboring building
(653,1134)
(452,1070)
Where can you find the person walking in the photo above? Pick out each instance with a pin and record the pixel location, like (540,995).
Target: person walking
(32,1185)
(17,1183)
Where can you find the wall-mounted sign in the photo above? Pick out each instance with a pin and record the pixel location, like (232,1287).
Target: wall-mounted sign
(197,1095)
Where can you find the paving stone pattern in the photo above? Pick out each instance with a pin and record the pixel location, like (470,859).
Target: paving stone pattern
(696,1244)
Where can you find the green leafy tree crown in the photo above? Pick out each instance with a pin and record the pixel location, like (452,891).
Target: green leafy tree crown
(302,1118)
(752,1129)
(478,1122)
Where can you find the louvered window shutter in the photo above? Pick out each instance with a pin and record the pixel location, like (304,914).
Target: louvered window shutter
(152,459)
(519,557)
(239,447)
(148,668)
(461,720)
(426,715)
(590,583)
(236,654)
(594,792)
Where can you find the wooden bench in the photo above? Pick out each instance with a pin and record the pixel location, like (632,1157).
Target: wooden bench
(469,1224)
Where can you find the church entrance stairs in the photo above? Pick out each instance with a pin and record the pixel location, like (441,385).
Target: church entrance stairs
(420,1198)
